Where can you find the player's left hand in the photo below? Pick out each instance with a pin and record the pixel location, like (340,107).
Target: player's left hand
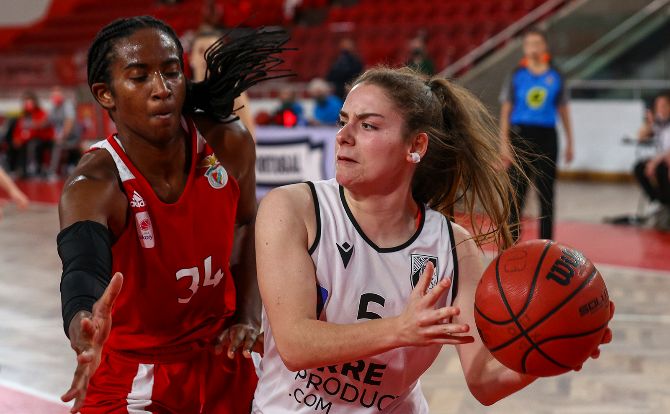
(240,335)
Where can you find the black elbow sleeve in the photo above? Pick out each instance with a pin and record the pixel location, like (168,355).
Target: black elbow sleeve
(85,249)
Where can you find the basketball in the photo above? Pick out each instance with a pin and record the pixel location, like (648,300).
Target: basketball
(541,308)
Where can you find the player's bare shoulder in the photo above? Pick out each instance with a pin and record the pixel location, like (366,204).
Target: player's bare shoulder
(294,205)
(95,165)
(93,192)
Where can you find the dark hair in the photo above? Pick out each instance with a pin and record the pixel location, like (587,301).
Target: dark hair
(101,51)
(233,65)
(462,164)
(32,96)
(664,94)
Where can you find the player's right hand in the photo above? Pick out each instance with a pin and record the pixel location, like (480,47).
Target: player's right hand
(88,333)
(422,324)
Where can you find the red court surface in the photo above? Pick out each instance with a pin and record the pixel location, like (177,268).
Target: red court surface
(39,190)
(627,246)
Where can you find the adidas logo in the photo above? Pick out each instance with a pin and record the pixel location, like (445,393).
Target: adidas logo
(137,200)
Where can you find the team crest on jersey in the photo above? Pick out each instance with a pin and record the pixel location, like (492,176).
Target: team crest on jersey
(215,173)
(419,262)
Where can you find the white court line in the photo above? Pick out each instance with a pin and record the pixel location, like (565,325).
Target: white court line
(639,317)
(30,391)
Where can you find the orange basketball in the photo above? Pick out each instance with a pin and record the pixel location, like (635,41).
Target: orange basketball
(541,308)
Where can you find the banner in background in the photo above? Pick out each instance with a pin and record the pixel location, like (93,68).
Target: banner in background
(287,156)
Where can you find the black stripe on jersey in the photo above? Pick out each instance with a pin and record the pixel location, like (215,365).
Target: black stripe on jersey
(317,213)
(454,281)
(370,242)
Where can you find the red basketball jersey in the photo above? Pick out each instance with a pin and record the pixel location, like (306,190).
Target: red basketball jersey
(177,289)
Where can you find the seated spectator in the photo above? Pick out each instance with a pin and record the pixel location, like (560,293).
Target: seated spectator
(290,112)
(418,57)
(32,137)
(66,132)
(326,105)
(653,173)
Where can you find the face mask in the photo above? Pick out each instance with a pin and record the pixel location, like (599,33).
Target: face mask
(29,106)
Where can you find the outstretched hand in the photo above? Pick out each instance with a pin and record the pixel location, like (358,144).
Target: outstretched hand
(88,333)
(240,335)
(422,324)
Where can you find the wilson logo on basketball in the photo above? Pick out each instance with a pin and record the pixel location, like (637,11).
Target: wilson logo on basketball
(563,269)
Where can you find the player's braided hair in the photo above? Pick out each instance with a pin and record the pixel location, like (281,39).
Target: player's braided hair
(233,64)
(101,51)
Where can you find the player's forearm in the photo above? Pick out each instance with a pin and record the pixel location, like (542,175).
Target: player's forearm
(489,381)
(314,343)
(243,268)
(7,184)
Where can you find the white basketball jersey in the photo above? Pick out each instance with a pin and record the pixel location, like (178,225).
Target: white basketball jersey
(358,281)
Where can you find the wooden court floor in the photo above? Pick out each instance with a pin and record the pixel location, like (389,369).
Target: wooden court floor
(631,376)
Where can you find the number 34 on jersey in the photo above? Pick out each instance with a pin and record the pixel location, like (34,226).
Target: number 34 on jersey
(194,274)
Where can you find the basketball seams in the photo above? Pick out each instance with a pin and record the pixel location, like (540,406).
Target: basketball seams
(524,332)
(530,294)
(535,276)
(577,335)
(547,357)
(555,338)
(489,319)
(545,317)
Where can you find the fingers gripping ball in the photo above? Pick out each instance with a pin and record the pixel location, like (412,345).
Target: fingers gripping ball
(541,308)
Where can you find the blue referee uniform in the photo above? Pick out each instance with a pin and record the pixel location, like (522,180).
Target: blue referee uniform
(535,100)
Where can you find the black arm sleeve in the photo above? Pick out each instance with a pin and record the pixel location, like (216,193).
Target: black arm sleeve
(85,249)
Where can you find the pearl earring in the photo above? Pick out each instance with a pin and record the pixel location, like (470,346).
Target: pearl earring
(415,157)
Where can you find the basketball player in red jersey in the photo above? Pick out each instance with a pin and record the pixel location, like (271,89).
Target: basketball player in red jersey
(157,205)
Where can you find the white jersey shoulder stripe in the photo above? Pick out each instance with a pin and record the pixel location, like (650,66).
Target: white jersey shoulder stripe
(124,171)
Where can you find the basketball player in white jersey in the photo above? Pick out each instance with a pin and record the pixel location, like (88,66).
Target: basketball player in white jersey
(351,318)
